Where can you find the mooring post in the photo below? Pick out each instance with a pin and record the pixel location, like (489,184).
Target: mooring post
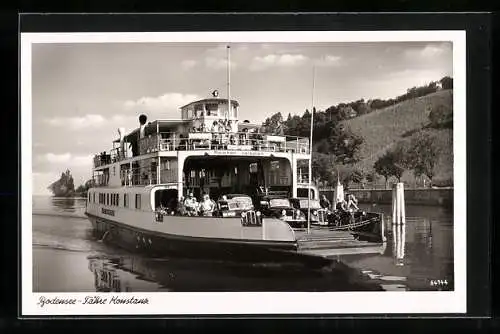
(263,222)
(398,204)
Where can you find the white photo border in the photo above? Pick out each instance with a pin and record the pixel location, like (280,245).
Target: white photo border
(261,303)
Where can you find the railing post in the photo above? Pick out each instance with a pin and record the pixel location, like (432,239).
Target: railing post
(158,171)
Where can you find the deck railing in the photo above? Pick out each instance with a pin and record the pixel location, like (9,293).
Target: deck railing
(193,141)
(138,176)
(226,141)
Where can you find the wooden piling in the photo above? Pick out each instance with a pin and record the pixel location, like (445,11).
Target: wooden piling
(398,204)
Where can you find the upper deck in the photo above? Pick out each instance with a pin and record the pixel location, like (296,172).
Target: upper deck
(196,141)
(206,124)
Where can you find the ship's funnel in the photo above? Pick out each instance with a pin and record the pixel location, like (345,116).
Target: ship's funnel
(142,121)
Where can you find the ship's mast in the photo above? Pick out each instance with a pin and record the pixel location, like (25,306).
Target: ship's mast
(228,82)
(310,157)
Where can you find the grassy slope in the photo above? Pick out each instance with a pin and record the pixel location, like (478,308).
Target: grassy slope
(383,128)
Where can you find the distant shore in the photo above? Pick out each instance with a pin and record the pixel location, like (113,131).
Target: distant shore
(413,196)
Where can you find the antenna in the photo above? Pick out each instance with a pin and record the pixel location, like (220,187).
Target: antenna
(228,82)
(310,155)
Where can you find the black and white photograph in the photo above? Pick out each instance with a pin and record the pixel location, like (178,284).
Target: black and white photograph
(243,172)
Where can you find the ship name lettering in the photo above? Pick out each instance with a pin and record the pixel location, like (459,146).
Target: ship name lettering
(108,212)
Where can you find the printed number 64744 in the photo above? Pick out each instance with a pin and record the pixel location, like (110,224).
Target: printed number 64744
(439,282)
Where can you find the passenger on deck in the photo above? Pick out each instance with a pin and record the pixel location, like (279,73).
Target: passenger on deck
(181,208)
(343,213)
(341,205)
(222,133)
(207,206)
(244,137)
(232,140)
(191,205)
(325,203)
(352,203)
(222,204)
(215,132)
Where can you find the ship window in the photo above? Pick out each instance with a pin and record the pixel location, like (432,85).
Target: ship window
(117,200)
(107,199)
(212,109)
(125,200)
(94,197)
(137,201)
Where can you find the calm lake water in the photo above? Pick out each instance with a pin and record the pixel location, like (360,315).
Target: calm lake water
(66,258)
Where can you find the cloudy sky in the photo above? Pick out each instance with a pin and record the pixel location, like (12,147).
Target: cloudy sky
(82,93)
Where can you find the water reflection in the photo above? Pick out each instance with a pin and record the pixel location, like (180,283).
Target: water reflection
(66,204)
(416,253)
(398,243)
(135,273)
(419,252)
(106,278)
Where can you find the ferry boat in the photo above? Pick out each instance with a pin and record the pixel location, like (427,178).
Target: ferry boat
(142,181)
(169,159)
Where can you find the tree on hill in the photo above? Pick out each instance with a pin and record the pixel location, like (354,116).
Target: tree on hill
(274,124)
(441,117)
(390,164)
(446,82)
(345,144)
(64,187)
(422,155)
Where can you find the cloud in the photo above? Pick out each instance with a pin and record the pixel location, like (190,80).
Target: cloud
(66,159)
(429,51)
(42,180)
(218,63)
(167,102)
(77,123)
(216,51)
(329,60)
(284,60)
(188,64)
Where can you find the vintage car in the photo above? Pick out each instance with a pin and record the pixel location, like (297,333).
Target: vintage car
(233,205)
(319,216)
(281,208)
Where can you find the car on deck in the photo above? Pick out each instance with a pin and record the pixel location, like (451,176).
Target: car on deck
(319,215)
(233,205)
(281,208)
